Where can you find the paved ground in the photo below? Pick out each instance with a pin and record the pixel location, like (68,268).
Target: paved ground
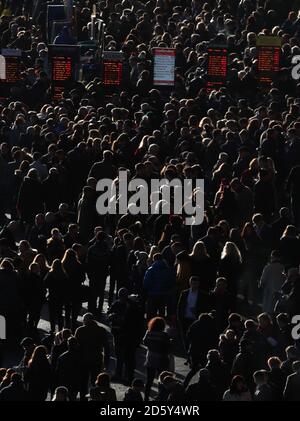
(12,356)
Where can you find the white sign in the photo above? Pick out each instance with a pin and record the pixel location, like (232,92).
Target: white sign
(164,66)
(2,68)
(2,327)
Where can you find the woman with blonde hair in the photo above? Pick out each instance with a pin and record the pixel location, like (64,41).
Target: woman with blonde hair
(41,260)
(202,266)
(230,266)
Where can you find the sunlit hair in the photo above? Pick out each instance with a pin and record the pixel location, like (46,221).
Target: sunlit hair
(157,324)
(290,231)
(39,356)
(70,256)
(199,250)
(41,257)
(231,250)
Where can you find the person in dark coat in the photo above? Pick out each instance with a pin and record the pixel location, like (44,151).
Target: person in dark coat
(30,198)
(159,285)
(202,266)
(222,302)
(264,196)
(56,282)
(10,298)
(98,262)
(289,247)
(15,391)
(263,391)
(219,372)
(39,233)
(292,355)
(60,346)
(87,214)
(39,375)
(261,348)
(231,267)
(72,236)
(293,187)
(192,302)
(227,205)
(37,92)
(158,344)
(52,190)
(293,299)
(175,389)
(277,378)
(284,336)
(279,226)
(9,232)
(236,323)
(228,347)
(34,294)
(55,245)
(94,351)
(212,244)
(134,392)
(75,272)
(104,168)
(201,337)
(68,367)
(120,274)
(292,386)
(203,390)
(102,390)
(123,314)
(244,363)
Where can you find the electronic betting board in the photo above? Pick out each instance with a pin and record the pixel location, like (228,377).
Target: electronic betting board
(268,58)
(112,73)
(164,66)
(112,76)
(63,60)
(11,69)
(217,67)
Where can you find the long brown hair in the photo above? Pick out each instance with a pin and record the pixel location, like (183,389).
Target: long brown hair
(57,267)
(70,257)
(39,356)
(42,257)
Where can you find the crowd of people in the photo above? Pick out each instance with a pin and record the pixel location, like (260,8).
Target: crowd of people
(224,292)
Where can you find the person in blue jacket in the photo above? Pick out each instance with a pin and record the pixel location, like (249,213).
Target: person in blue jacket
(159,287)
